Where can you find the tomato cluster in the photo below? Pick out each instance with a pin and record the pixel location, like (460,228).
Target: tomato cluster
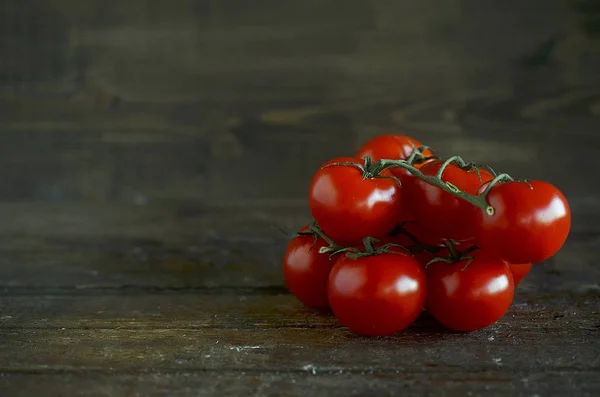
(398,230)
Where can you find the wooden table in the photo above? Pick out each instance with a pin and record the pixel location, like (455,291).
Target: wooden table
(152,153)
(187,299)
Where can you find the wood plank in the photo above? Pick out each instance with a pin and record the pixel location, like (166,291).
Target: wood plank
(236,309)
(289,349)
(430,383)
(143,154)
(189,51)
(195,246)
(101,161)
(207,332)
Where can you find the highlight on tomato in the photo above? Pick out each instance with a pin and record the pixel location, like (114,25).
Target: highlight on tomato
(456,242)
(531,221)
(470,294)
(348,206)
(396,147)
(379,294)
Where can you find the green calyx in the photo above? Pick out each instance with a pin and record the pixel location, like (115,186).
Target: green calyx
(454,255)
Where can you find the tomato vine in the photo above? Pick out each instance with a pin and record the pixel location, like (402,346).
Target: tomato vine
(373,169)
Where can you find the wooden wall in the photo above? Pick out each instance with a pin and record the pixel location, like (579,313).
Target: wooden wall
(232,102)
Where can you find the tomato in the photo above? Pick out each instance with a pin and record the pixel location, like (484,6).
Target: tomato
(439,214)
(469,299)
(348,207)
(306,271)
(530,224)
(394,147)
(520,271)
(379,294)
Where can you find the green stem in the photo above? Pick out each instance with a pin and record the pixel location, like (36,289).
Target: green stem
(478,201)
(317,231)
(417,153)
(454,254)
(373,169)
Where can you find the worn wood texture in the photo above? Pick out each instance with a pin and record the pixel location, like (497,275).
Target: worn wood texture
(95,249)
(272,339)
(151,153)
(141,101)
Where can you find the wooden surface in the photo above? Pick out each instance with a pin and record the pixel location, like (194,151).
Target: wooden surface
(151,153)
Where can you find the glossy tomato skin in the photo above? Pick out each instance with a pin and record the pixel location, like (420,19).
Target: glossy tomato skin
(530,224)
(520,271)
(470,299)
(348,207)
(439,214)
(394,147)
(377,295)
(306,271)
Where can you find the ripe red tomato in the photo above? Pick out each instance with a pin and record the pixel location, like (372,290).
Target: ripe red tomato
(306,271)
(348,207)
(439,214)
(530,224)
(469,299)
(394,147)
(520,271)
(377,295)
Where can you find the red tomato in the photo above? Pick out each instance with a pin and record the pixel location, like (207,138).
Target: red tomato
(306,271)
(379,294)
(439,214)
(469,299)
(348,207)
(520,271)
(394,147)
(530,223)
(420,232)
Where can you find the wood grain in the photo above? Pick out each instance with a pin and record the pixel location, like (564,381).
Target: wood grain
(514,346)
(228,344)
(151,102)
(124,248)
(253,310)
(151,152)
(431,382)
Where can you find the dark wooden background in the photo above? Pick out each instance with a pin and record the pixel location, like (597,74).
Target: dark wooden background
(151,151)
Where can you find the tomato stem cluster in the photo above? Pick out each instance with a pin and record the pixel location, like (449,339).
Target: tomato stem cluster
(479,200)
(372,169)
(370,248)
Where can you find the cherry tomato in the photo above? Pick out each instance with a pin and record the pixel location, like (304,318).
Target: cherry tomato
(377,295)
(520,271)
(530,224)
(439,214)
(306,271)
(348,207)
(394,147)
(469,299)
